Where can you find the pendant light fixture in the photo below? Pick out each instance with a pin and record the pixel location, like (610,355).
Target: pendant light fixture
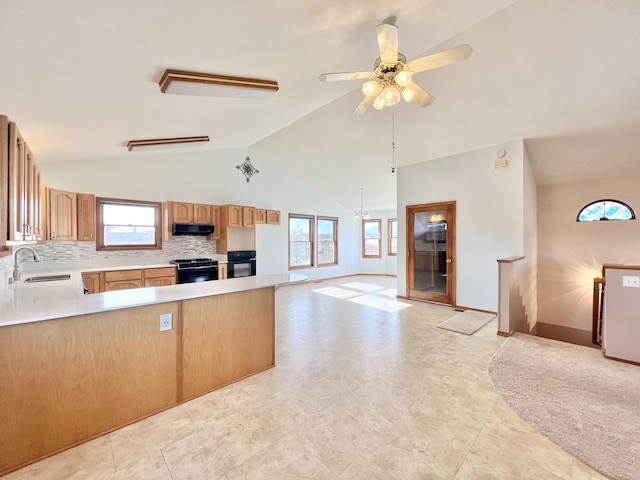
(362,215)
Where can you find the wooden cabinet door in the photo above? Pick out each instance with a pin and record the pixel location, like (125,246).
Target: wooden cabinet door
(160,272)
(260,215)
(248,217)
(122,285)
(122,280)
(86,217)
(217,222)
(273,217)
(63,215)
(222,271)
(202,214)
(182,212)
(91,281)
(234,216)
(36,205)
(159,281)
(17,185)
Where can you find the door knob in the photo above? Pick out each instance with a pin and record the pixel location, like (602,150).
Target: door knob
(448,260)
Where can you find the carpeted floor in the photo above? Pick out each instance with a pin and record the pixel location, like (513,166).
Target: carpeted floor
(587,404)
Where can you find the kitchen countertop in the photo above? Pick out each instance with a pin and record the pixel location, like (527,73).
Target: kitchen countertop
(33,302)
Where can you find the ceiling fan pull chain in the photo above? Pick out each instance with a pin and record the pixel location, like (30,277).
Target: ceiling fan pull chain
(393,142)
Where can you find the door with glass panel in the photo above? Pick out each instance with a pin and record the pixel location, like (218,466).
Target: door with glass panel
(431,250)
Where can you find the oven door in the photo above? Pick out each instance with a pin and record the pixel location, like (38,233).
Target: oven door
(197,274)
(243,268)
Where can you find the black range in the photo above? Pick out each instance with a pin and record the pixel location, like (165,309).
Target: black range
(195,270)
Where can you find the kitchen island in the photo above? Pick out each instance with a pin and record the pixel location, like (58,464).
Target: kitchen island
(74,366)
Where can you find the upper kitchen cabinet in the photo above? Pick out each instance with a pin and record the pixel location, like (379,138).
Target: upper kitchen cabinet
(191,213)
(237,216)
(273,217)
(86,217)
(21,181)
(202,214)
(261,216)
(216,218)
(181,212)
(63,223)
(197,213)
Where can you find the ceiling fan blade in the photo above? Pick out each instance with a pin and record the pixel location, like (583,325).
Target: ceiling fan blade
(388,43)
(417,94)
(366,102)
(447,57)
(333,77)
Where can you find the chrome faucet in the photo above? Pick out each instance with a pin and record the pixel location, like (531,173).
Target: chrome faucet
(16,267)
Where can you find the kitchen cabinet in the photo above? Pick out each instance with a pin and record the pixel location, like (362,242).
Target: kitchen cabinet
(195,213)
(233,216)
(216,218)
(182,212)
(260,216)
(159,277)
(63,223)
(202,214)
(273,217)
(24,189)
(222,271)
(237,216)
(92,281)
(86,204)
(248,217)
(106,281)
(122,280)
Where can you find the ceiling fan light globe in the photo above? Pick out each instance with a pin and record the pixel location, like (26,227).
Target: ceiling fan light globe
(403,78)
(370,87)
(408,94)
(391,95)
(378,103)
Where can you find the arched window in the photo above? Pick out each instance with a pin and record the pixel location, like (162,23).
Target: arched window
(606,210)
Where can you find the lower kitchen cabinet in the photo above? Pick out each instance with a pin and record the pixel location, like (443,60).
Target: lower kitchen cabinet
(122,280)
(97,282)
(92,281)
(222,271)
(159,277)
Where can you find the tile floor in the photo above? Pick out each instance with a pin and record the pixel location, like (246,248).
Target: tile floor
(366,387)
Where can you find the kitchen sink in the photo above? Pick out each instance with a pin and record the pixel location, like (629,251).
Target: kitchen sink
(48,278)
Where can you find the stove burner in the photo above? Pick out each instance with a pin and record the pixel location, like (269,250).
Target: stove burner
(183,263)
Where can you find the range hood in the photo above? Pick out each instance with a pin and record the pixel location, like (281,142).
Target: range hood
(191,229)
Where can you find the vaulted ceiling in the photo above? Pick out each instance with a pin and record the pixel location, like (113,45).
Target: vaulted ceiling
(81,79)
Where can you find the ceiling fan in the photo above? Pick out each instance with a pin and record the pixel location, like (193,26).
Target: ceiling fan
(392,73)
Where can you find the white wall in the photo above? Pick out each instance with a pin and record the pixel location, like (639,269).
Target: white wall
(489,215)
(212,177)
(571,254)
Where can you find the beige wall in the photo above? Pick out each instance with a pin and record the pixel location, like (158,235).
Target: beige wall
(571,253)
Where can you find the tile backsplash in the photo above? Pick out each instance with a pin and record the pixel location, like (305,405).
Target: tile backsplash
(179,247)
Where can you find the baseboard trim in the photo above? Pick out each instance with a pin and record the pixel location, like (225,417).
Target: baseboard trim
(504,334)
(462,307)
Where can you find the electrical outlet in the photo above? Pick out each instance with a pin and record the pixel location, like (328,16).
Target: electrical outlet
(165,322)
(628,281)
